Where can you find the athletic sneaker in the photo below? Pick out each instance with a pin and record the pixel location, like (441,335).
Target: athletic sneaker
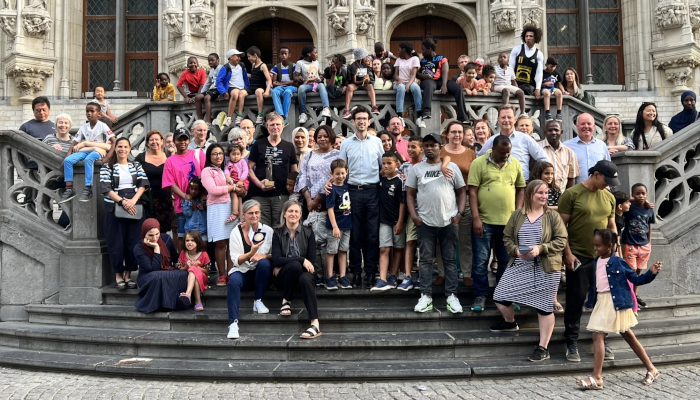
(424,304)
(259,119)
(239,119)
(403,123)
(259,307)
(548,116)
(233,330)
(406,284)
(303,118)
(559,116)
(402,276)
(331,284)
(641,302)
(420,123)
(227,121)
(572,353)
(453,304)
(381,286)
(67,195)
(346,114)
(426,115)
(540,354)
(479,303)
(326,112)
(344,283)
(503,326)
(609,355)
(375,110)
(391,280)
(86,195)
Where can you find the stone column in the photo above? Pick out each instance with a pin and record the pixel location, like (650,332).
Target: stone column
(120,47)
(585,37)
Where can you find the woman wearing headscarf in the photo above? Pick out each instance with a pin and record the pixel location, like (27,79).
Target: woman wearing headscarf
(301,142)
(160,283)
(689,114)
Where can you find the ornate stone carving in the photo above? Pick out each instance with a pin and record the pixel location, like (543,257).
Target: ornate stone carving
(8,24)
(680,78)
(691,61)
(8,4)
(334,4)
(670,14)
(429,8)
(365,5)
(504,20)
(36,19)
(695,15)
(172,19)
(338,23)
(29,80)
(201,18)
(37,5)
(176,69)
(273,11)
(531,13)
(364,22)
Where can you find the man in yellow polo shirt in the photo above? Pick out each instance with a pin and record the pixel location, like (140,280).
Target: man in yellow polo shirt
(496,189)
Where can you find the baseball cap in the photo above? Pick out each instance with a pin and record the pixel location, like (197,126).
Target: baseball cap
(432,136)
(233,52)
(480,61)
(179,132)
(608,169)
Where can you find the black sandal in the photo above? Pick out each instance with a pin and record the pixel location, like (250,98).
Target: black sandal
(313,332)
(286,306)
(130,284)
(121,285)
(494,267)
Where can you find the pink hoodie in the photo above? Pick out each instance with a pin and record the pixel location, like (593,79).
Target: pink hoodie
(214,181)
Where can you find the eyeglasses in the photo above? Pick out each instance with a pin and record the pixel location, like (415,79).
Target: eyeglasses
(217,154)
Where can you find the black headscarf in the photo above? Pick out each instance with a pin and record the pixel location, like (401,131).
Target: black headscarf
(685,117)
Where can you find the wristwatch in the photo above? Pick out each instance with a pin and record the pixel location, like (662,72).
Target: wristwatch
(120,201)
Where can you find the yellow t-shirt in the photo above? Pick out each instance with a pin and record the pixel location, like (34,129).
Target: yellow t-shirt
(496,195)
(164,94)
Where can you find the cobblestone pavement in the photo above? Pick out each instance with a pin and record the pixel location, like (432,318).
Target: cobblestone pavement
(678,382)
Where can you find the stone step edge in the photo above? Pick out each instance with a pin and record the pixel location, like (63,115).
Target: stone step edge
(305,371)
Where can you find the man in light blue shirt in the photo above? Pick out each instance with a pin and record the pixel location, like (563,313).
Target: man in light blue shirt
(587,148)
(363,153)
(524,147)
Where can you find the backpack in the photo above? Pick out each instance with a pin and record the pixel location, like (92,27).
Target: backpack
(279,72)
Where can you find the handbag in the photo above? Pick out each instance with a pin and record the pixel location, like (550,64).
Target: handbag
(120,212)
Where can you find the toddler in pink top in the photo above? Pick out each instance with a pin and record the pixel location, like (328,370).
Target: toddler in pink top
(237,170)
(486,82)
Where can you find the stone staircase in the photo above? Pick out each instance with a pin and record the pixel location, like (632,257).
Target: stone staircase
(365,336)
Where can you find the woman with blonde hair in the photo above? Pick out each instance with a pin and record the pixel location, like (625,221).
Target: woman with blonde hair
(525,125)
(613,137)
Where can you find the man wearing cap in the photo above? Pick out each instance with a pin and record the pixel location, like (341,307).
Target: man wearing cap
(361,77)
(200,130)
(584,208)
(437,220)
(395,128)
(179,168)
(524,147)
(587,148)
(496,189)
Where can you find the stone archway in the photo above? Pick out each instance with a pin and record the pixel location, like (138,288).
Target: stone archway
(460,15)
(248,15)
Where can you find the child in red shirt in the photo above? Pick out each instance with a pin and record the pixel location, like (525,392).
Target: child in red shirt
(194,78)
(195,261)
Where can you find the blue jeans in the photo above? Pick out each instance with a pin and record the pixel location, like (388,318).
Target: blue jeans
(301,96)
(428,238)
(364,237)
(88,159)
(401,95)
(282,98)
(481,250)
(258,278)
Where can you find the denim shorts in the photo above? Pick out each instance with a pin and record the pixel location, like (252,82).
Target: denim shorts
(180,225)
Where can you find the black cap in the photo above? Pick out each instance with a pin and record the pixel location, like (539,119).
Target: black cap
(432,136)
(179,132)
(608,169)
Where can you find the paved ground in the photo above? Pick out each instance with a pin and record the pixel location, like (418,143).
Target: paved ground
(680,382)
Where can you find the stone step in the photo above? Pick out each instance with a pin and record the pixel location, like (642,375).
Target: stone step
(380,318)
(222,370)
(331,347)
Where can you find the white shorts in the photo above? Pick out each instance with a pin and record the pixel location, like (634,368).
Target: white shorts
(388,239)
(512,89)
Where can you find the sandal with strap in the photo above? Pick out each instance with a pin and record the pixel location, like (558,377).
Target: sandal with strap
(198,307)
(121,285)
(650,377)
(185,299)
(286,308)
(130,284)
(221,281)
(558,308)
(311,333)
(593,385)
(232,218)
(494,267)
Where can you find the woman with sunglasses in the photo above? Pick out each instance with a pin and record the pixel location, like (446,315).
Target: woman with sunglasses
(648,130)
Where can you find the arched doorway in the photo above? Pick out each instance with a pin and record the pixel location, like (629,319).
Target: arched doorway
(272,33)
(452,41)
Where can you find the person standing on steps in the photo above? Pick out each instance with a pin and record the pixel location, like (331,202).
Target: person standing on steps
(395,128)
(584,208)
(442,205)
(200,131)
(363,154)
(40,126)
(562,157)
(528,62)
(496,189)
(587,148)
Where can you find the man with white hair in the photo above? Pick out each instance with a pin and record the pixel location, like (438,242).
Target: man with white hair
(200,132)
(587,148)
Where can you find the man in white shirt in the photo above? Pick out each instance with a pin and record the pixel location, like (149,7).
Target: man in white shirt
(587,148)
(528,62)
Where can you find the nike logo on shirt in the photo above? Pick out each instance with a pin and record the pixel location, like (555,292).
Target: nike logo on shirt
(431,176)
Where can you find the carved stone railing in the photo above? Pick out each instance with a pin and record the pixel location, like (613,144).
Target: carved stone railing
(44,260)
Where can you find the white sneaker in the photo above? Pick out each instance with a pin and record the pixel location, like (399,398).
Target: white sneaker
(259,119)
(238,121)
(227,121)
(303,118)
(259,307)
(326,112)
(453,304)
(420,123)
(403,123)
(233,330)
(424,304)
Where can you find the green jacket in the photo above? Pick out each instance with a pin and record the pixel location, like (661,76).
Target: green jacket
(552,243)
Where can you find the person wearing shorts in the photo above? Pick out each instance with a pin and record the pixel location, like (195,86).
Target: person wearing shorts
(636,237)
(338,224)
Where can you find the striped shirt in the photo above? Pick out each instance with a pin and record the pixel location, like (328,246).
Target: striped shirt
(109,178)
(564,161)
(51,140)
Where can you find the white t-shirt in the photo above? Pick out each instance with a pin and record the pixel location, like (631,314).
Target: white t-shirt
(236,80)
(211,79)
(405,67)
(100,133)
(504,76)
(103,106)
(125,179)
(307,69)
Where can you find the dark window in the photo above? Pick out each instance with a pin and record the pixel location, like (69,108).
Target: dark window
(100,36)
(605,30)
(561,5)
(142,35)
(101,7)
(101,73)
(562,30)
(605,68)
(142,7)
(564,61)
(602,4)
(141,73)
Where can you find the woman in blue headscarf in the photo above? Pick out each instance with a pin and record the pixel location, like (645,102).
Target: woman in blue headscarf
(688,115)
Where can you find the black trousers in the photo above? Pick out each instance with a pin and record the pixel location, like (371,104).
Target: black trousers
(122,235)
(364,236)
(293,276)
(429,86)
(577,284)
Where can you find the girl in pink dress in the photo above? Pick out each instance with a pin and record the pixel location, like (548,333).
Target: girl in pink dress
(195,261)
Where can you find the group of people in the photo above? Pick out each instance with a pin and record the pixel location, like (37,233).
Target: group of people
(256,211)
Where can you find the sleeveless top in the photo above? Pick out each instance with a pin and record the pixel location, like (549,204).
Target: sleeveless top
(525,67)
(257,77)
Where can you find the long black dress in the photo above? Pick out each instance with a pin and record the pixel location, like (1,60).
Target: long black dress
(157,288)
(162,199)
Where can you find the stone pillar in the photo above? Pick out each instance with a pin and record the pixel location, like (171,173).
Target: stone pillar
(120,47)
(585,37)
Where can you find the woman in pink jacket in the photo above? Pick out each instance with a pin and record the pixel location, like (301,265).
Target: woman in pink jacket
(218,208)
